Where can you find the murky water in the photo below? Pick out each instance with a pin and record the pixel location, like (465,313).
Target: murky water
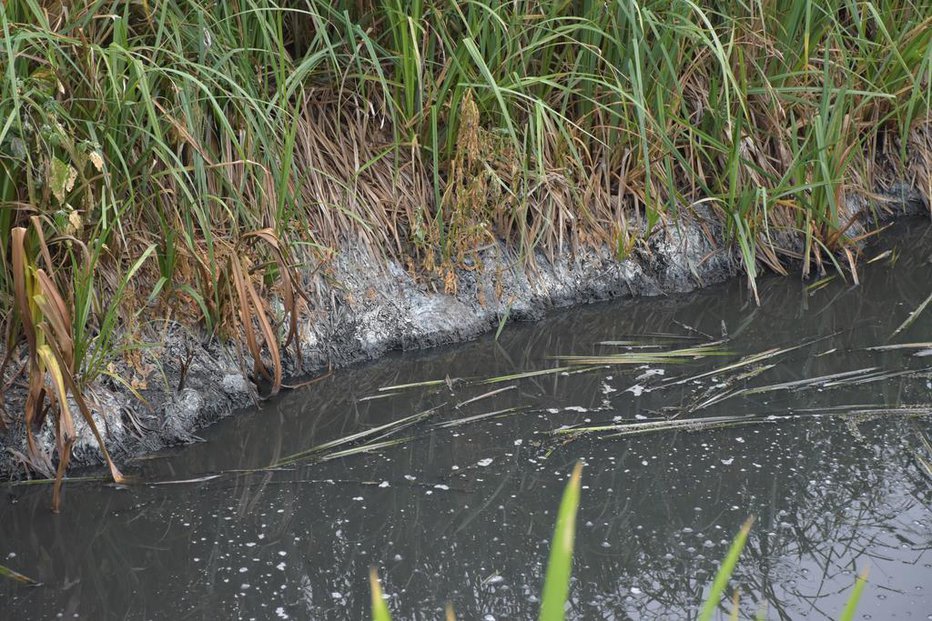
(464,513)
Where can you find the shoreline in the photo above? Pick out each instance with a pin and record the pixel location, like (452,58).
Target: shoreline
(362,312)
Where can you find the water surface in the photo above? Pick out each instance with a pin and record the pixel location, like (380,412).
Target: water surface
(464,513)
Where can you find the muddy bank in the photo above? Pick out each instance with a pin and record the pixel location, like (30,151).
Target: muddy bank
(363,308)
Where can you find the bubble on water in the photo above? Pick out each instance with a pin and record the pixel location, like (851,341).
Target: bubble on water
(484,462)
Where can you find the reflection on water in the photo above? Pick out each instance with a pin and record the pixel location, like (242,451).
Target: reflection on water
(464,513)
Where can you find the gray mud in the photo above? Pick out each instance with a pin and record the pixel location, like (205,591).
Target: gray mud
(365,307)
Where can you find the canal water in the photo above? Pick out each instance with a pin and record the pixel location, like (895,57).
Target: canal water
(826,445)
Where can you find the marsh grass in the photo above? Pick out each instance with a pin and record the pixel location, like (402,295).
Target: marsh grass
(191,160)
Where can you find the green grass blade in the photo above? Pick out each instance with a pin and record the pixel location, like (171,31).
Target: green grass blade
(724,572)
(851,606)
(560,565)
(379,607)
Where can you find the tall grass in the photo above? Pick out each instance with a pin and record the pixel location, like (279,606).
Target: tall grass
(182,158)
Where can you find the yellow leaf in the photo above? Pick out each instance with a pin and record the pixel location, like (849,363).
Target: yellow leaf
(97,160)
(62,179)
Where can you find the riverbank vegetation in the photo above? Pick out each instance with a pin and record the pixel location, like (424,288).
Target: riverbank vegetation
(188,160)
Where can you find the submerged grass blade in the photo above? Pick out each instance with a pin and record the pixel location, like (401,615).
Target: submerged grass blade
(713,600)
(899,346)
(834,379)
(477,417)
(696,424)
(538,373)
(375,433)
(746,361)
(618,430)
(369,447)
(425,384)
(15,576)
(659,357)
(913,316)
(491,393)
(560,566)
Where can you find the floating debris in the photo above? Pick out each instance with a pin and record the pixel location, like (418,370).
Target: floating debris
(478,417)
(899,346)
(747,361)
(912,316)
(15,576)
(377,434)
(659,357)
(526,374)
(449,381)
(718,422)
(484,396)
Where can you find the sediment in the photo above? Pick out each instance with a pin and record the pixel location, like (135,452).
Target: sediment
(363,307)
